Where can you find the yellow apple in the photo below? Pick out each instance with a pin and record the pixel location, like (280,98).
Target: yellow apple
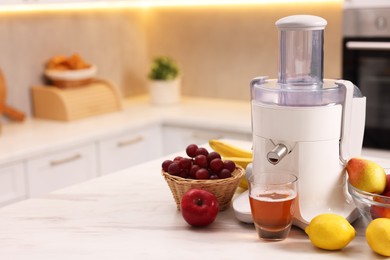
(366,175)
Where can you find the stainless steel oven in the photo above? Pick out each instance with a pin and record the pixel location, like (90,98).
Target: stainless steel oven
(366,62)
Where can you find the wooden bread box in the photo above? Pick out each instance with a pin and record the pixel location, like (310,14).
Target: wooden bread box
(95,98)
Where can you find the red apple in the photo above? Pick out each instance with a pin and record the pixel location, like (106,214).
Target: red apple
(199,207)
(378,211)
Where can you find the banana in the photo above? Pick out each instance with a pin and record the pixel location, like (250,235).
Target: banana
(228,150)
(241,161)
(243,183)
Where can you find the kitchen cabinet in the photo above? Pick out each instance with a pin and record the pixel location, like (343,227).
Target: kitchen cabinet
(129,148)
(60,169)
(12,183)
(176,138)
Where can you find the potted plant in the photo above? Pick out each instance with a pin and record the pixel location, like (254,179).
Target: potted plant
(164,81)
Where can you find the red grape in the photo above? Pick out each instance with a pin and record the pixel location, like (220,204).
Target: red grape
(174,169)
(185,163)
(201,160)
(213,155)
(225,173)
(202,150)
(191,150)
(165,165)
(183,173)
(200,165)
(230,165)
(202,174)
(193,170)
(177,158)
(216,165)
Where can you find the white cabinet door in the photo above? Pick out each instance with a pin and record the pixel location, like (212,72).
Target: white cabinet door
(60,169)
(12,183)
(127,149)
(176,139)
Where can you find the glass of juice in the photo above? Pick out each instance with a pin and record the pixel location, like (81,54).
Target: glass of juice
(272,199)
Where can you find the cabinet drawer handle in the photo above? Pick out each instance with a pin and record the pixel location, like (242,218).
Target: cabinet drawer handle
(130,142)
(65,160)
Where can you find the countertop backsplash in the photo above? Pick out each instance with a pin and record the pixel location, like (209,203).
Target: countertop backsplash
(219,48)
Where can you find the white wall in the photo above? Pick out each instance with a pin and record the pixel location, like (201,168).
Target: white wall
(220,48)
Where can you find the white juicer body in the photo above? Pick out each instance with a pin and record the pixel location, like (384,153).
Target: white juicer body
(307,125)
(313,136)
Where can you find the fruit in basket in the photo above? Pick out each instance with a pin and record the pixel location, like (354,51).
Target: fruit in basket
(235,154)
(216,165)
(191,150)
(243,162)
(213,155)
(330,231)
(366,175)
(200,165)
(201,161)
(202,174)
(378,236)
(199,207)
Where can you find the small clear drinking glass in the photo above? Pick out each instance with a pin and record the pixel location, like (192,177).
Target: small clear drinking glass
(272,199)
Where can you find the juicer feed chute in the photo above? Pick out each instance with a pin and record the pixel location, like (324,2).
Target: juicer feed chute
(306,125)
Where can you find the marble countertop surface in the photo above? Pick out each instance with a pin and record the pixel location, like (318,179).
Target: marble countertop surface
(131,214)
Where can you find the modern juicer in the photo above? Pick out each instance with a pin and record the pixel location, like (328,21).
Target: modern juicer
(306,125)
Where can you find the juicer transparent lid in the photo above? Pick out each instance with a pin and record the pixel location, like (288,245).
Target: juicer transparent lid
(269,91)
(300,77)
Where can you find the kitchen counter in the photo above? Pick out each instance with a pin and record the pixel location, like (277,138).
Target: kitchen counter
(131,214)
(35,137)
(38,136)
(39,156)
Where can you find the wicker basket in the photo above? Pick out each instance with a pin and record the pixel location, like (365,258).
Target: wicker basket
(223,189)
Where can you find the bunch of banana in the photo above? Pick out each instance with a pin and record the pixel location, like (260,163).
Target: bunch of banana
(231,152)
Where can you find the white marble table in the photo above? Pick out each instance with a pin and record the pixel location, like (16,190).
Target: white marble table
(131,215)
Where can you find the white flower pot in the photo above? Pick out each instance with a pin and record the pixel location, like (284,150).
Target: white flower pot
(164,92)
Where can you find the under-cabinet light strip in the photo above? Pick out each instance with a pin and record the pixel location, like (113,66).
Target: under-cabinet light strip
(148,3)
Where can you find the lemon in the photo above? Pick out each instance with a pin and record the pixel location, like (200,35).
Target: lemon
(378,236)
(330,231)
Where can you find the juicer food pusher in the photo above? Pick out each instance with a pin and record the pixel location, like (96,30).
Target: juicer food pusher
(306,125)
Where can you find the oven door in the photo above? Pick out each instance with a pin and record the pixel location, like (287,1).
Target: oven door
(366,62)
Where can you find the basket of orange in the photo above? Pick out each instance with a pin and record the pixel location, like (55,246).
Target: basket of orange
(202,170)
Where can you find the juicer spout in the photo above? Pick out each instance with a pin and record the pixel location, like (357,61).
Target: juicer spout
(277,153)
